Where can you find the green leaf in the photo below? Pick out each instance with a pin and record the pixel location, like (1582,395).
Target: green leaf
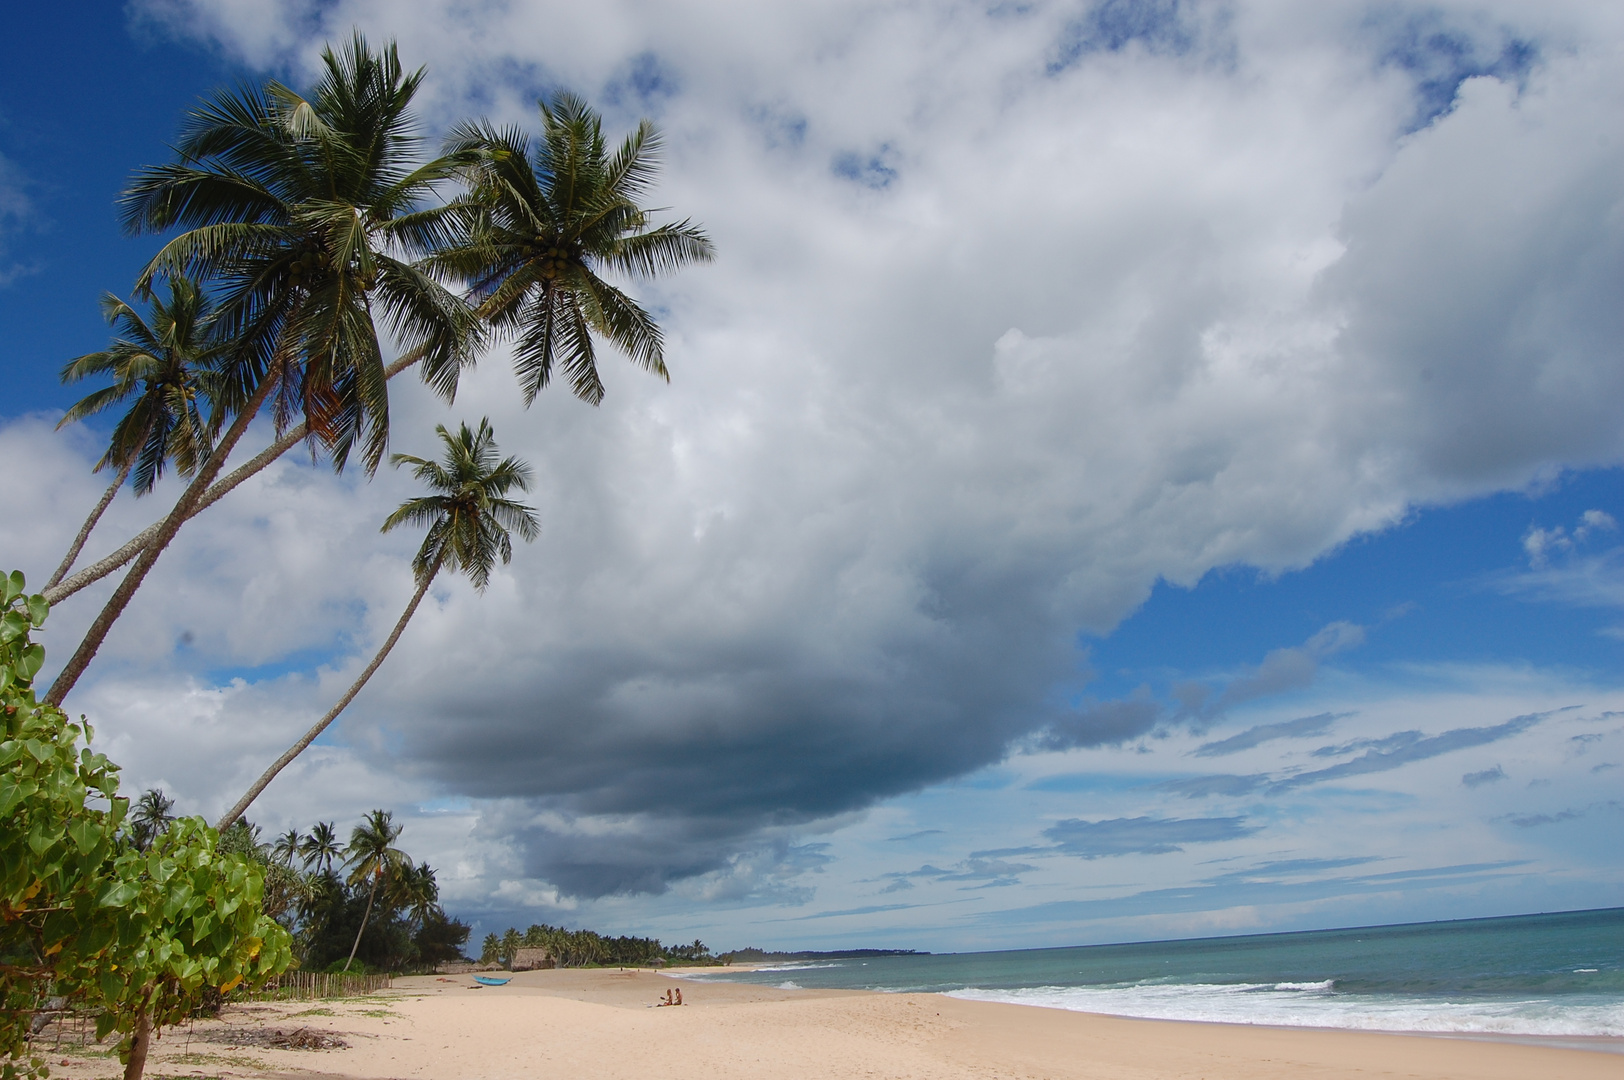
(32,659)
(15,585)
(85,835)
(38,609)
(13,793)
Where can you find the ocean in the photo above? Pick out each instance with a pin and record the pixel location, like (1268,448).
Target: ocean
(1551,977)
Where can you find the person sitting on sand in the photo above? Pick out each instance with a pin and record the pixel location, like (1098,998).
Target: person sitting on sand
(667,1001)
(679,995)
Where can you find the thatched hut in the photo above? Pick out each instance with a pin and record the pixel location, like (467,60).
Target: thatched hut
(533,959)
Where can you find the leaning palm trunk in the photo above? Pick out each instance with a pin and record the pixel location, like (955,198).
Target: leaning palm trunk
(149,556)
(321,725)
(58,591)
(90,523)
(372,894)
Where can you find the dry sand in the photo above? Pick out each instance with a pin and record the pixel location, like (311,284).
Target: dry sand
(602,1024)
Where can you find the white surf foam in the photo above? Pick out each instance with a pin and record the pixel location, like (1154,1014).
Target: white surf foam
(1319,1005)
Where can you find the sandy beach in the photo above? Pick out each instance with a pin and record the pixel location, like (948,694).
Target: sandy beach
(594,1024)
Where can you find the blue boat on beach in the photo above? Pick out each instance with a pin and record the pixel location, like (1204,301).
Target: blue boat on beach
(483,981)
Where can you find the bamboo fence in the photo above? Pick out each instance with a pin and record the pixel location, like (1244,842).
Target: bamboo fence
(311,985)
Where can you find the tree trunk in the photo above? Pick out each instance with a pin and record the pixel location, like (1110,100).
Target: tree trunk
(57,592)
(90,523)
(120,599)
(309,737)
(372,895)
(141,1040)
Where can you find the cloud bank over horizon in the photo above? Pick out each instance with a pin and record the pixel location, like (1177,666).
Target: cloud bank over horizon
(1018,313)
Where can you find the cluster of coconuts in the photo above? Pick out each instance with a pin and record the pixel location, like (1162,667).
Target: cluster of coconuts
(307,265)
(554,259)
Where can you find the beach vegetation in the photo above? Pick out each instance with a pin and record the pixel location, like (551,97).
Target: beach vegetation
(87,919)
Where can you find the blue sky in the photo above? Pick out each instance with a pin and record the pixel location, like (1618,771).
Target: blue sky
(1135,470)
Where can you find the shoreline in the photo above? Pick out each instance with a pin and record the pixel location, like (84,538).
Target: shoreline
(1605,1044)
(602,1023)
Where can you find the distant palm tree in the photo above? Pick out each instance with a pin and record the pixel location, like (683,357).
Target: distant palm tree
(543,221)
(372,854)
(287,847)
(468,519)
(511,943)
(321,847)
(307,211)
(416,891)
(161,362)
(150,817)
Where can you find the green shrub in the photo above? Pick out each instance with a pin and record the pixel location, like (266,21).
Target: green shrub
(86,918)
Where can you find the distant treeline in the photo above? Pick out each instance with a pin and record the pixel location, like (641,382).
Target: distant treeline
(588,948)
(752,956)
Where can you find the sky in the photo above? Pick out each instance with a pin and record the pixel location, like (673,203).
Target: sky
(1134,470)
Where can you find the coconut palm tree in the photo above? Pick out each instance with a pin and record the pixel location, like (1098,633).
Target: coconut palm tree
(372,855)
(307,212)
(321,847)
(162,363)
(468,519)
(415,890)
(534,235)
(542,223)
(286,847)
(149,817)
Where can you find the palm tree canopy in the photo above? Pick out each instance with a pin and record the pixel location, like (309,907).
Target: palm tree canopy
(287,847)
(311,214)
(165,363)
(320,848)
(543,221)
(150,816)
(371,852)
(468,516)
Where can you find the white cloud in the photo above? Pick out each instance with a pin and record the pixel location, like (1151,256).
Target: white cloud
(1008,325)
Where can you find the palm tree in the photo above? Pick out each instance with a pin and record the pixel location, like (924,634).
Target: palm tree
(161,364)
(468,519)
(307,212)
(534,233)
(321,847)
(416,890)
(287,847)
(150,817)
(510,945)
(372,854)
(541,224)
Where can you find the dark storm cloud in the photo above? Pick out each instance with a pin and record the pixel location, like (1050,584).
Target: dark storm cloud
(848,551)
(1102,723)
(1288,729)
(1141,835)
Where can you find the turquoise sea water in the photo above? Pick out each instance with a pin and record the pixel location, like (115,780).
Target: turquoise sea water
(1554,976)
